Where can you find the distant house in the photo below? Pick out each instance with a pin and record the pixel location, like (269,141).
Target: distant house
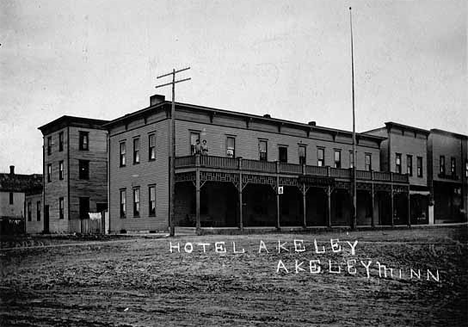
(75,172)
(14,188)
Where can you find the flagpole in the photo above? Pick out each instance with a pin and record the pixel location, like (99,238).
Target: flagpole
(354,217)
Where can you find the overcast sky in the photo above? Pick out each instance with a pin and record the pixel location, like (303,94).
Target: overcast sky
(291,59)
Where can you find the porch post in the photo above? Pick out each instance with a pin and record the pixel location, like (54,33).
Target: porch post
(277,197)
(304,205)
(392,206)
(372,205)
(241,186)
(329,218)
(409,208)
(197,193)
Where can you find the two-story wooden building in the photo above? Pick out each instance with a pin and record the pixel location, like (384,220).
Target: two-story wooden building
(75,172)
(404,151)
(252,171)
(448,173)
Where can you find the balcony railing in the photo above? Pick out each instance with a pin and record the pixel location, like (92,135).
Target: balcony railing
(285,168)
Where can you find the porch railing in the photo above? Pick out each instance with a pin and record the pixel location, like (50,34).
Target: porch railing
(285,168)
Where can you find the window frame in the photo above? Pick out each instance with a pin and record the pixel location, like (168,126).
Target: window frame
(83,174)
(368,165)
(263,155)
(453,166)
(83,141)
(60,141)
(419,166)
(136,150)
(61,170)
(49,145)
(302,156)
(49,173)
(283,153)
(337,163)
(442,164)
(193,141)
(29,213)
(11,198)
(61,207)
(320,156)
(152,147)
(230,150)
(123,203)
(151,210)
(136,202)
(38,210)
(122,153)
(398,163)
(409,164)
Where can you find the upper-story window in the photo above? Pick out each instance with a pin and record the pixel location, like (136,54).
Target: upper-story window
(49,172)
(12,198)
(302,154)
(337,158)
(195,146)
(442,165)
(122,157)
(61,141)
(320,157)
(49,145)
(151,147)
(136,150)
(83,166)
(263,150)
(351,159)
(283,154)
(29,211)
(453,166)
(368,162)
(61,208)
(231,147)
(409,165)
(419,168)
(84,141)
(61,169)
(398,163)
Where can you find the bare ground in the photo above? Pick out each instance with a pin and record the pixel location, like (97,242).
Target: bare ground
(139,282)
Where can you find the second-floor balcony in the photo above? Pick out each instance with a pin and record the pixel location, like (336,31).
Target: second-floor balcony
(283,168)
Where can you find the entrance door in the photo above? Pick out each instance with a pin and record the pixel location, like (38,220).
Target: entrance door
(46,219)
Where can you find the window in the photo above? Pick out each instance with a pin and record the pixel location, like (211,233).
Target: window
(442,165)
(302,154)
(231,147)
(152,200)
(151,147)
(84,169)
(38,210)
(123,149)
(84,208)
(283,154)
(29,212)
(84,141)
(419,170)
(61,141)
(136,202)
(12,198)
(136,150)
(368,162)
(409,165)
(453,166)
(49,172)
(320,157)
(61,170)
(351,159)
(123,203)
(337,158)
(398,163)
(263,150)
(61,208)
(49,145)
(194,137)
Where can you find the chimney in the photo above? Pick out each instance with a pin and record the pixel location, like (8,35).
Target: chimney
(267,116)
(12,170)
(312,123)
(157,98)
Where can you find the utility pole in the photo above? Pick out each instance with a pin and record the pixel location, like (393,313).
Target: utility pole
(354,218)
(172,146)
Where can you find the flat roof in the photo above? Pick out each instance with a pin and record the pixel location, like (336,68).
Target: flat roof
(65,120)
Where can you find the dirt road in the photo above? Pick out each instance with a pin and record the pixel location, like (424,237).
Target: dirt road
(334,279)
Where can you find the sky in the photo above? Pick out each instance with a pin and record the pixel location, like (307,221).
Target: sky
(290,59)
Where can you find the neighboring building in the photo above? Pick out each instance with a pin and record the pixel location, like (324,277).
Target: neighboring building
(75,172)
(404,151)
(13,190)
(447,172)
(33,212)
(258,171)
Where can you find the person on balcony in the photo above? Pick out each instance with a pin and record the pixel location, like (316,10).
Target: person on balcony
(197,147)
(204,148)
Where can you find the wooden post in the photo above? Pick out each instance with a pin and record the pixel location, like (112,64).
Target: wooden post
(278,207)
(304,205)
(392,207)
(197,193)
(329,217)
(372,205)
(241,205)
(409,208)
